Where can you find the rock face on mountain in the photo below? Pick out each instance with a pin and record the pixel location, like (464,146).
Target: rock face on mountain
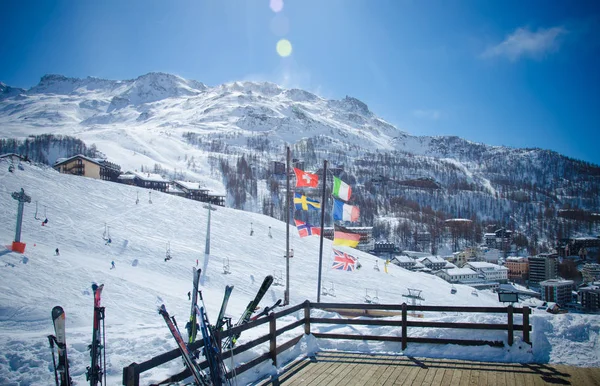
(176,125)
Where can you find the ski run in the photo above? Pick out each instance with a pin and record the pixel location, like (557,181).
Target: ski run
(42,292)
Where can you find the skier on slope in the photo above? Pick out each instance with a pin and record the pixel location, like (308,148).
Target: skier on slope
(57,253)
(113,265)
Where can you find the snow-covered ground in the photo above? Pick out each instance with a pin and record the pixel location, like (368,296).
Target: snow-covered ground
(78,208)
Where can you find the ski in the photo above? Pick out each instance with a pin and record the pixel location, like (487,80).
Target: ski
(266,310)
(61,370)
(192,325)
(247,314)
(212,353)
(220,321)
(199,375)
(96,369)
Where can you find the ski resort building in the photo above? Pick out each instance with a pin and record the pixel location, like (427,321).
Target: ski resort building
(434,263)
(558,291)
(491,272)
(591,272)
(542,267)
(460,275)
(193,191)
(145,180)
(81,165)
(518,268)
(404,262)
(589,297)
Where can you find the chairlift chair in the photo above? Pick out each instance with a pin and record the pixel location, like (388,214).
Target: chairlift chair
(226,267)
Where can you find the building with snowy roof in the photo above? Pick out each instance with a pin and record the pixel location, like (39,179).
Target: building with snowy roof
(589,297)
(590,272)
(459,275)
(434,263)
(518,268)
(81,165)
(491,272)
(144,180)
(404,262)
(558,291)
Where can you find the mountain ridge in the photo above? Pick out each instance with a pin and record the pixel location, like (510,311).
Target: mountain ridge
(184,128)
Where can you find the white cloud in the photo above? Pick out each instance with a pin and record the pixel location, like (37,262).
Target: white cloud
(524,42)
(428,114)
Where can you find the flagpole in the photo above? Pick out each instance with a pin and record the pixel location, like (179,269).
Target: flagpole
(322,230)
(286,296)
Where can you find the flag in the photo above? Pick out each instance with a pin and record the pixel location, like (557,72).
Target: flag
(304,203)
(341,189)
(344,212)
(305,229)
(343,236)
(304,179)
(343,261)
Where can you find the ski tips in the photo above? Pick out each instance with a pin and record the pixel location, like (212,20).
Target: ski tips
(57,312)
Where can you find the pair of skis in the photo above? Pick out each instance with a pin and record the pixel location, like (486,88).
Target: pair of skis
(61,370)
(97,352)
(247,314)
(199,376)
(98,355)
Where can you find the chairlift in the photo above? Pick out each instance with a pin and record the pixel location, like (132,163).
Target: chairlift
(329,291)
(36,210)
(376,266)
(278,279)
(168,253)
(106,234)
(226,267)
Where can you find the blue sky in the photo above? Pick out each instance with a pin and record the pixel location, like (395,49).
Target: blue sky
(514,73)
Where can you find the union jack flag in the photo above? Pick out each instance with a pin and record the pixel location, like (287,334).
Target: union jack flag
(343,261)
(305,229)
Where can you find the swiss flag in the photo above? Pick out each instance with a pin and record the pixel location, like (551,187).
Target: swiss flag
(304,179)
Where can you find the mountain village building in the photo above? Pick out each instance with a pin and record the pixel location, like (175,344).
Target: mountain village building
(518,268)
(558,291)
(145,180)
(491,272)
(591,272)
(81,165)
(404,262)
(434,263)
(589,297)
(542,267)
(459,275)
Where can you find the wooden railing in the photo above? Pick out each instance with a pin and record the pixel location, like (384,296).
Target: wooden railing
(131,373)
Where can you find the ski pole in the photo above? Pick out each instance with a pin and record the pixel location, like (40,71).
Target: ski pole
(51,340)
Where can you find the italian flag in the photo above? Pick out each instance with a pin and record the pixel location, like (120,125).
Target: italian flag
(341,189)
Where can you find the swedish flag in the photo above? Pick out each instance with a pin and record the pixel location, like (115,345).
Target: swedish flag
(304,203)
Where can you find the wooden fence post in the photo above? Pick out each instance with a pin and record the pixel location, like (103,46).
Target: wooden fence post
(131,375)
(273,337)
(510,325)
(307,317)
(526,312)
(404,329)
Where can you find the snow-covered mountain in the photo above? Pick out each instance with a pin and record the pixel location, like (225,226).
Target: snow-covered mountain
(184,128)
(79,212)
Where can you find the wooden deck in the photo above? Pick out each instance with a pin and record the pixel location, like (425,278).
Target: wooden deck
(345,369)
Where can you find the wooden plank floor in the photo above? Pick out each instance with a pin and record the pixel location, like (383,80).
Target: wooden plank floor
(331,368)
